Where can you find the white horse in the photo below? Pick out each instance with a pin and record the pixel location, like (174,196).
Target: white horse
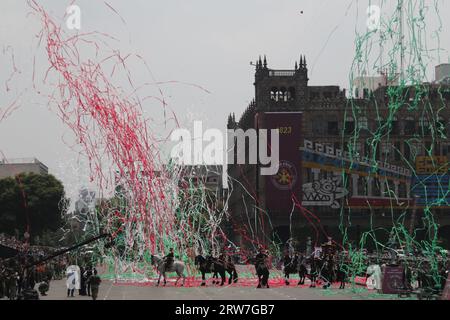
(374,277)
(177,266)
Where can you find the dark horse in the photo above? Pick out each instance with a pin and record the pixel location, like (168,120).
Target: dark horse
(216,267)
(341,274)
(262,272)
(327,272)
(231,269)
(296,265)
(316,266)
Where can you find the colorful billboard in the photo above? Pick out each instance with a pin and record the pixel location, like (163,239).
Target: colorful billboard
(325,187)
(430,165)
(432,191)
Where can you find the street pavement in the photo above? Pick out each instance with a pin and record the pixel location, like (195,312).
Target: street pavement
(110,290)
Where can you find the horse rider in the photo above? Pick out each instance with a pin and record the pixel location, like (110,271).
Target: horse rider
(287,260)
(168,259)
(222,258)
(315,259)
(296,258)
(261,257)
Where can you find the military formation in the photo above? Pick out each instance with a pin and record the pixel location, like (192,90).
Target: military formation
(23,275)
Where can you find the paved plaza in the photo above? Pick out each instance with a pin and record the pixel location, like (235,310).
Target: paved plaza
(113,291)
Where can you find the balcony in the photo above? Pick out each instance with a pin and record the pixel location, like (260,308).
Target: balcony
(281,73)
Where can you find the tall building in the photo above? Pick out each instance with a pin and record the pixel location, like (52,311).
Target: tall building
(13,167)
(354,164)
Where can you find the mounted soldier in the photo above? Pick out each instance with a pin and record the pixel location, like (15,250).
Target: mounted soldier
(262,268)
(287,260)
(168,259)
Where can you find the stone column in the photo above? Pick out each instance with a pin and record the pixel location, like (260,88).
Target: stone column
(382,187)
(355,179)
(369,186)
(396,184)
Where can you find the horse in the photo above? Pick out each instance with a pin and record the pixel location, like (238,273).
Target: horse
(177,266)
(327,273)
(231,269)
(295,266)
(302,273)
(263,274)
(341,271)
(262,271)
(210,265)
(373,277)
(314,273)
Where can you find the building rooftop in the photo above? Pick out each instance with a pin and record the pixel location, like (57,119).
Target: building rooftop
(20,161)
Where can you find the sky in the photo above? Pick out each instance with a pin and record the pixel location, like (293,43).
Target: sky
(202,47)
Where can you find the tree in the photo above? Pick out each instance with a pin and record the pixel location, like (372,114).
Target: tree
(32,201)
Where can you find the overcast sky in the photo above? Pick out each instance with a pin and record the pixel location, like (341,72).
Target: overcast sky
(209,43)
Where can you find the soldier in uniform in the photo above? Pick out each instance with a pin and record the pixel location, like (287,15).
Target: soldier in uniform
(261,256)
(287,260)
(261,260)
(87,275)
(94,280)
(168,259)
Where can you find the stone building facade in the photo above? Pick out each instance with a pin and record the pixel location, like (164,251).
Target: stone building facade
(361,159)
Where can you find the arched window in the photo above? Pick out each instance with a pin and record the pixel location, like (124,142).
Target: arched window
(349,125)
(394,126)
(386,148)
(280,95)
(273,94)
(425,126)
(283,96)
(318,125)
(363,123)
(410,126)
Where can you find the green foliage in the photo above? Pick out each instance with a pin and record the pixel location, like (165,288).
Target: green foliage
(33,200)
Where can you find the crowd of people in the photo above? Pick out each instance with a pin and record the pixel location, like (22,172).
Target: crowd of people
(12,242)
(16,278)
(85,280)
(20,272)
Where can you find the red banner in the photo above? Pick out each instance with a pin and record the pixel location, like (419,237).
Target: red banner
(281,189)
(393,280)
